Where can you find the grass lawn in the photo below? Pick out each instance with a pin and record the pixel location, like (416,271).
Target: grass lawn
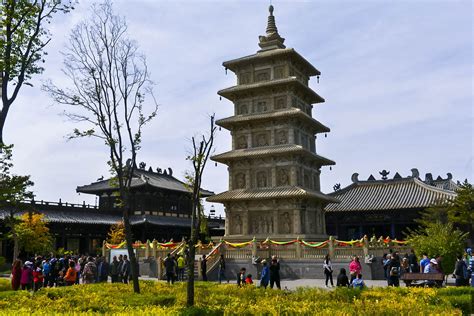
(158,298)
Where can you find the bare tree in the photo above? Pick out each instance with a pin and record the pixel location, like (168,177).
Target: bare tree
(109,80)
(201,151)
(23,38)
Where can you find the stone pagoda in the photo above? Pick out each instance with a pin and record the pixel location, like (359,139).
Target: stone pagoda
(274,187)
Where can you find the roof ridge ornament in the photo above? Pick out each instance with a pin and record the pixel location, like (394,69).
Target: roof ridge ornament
(355,177)
(415,173)
(384,173)
(272,40)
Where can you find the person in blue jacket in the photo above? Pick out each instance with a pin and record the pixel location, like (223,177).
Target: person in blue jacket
(265,277)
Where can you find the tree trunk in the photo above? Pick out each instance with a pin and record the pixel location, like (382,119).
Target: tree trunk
(191,262)
(16,245)
(131,253)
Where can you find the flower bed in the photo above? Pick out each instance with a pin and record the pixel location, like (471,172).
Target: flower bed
(158,298)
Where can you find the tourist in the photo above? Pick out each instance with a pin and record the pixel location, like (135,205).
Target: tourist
(386,262)
(120,266)
(460,272)
(431,267)
(181,267)
(424,262)
(89,272)
(125,272)
(204,268)
(103,270)
(47,272)
(342,279)
(394,271)
(413,261)
(16,274)
(77,267)
(358,283)
(354,268)
(114,269)
(170,268)
(275,273)
(222,269)
(248,279)
(71,274)
(241,277)
(37,276)
(265,277)
(26,276)
(404,265)
(328,270)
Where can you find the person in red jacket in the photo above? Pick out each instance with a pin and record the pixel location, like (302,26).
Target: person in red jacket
(37,277)
(26,276)
(16,274)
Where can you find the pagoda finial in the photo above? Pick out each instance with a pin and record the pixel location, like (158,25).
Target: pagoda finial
(272,39)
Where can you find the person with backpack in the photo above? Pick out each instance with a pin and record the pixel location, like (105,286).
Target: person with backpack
(46,272)
(37,277)
(327,266)
(394,271)
(170,268)
(342,279)
(89,272)
(460,272)
(26,276)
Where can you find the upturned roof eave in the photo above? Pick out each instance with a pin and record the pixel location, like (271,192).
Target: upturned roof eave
(233,64)
(231,92)
(228,122)
(254,152)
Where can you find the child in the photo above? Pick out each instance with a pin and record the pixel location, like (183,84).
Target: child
(37,277)
(248,279)
(241,277)
(358,283)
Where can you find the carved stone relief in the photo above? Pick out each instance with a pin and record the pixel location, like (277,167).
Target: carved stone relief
(238,225)
(283,177)
(282,137)
(261,139)
(286,223)
(262,224)
(245,78)
(243,108)
(241,142)
(280,103)
(240,181)
(262,75)
(279,72)
(260,106)
(261,179)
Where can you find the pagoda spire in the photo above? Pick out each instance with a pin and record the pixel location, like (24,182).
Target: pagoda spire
(272,39)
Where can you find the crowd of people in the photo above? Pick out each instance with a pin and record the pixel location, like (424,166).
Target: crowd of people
(56,271)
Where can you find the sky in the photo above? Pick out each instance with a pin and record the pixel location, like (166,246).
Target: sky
(396,77)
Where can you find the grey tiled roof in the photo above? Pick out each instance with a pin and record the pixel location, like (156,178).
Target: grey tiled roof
(229,93)
(318,127)
(390,194)
(142,178)
(232,64)
(95,217)
(270,151)
(269,193)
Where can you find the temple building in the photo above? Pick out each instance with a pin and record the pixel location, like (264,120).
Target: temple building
(161,210)
(384,207)
(274,170)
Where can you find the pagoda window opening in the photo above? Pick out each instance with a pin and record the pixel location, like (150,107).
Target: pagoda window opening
(245,78)
(279,103)
(262,179)
(262,75)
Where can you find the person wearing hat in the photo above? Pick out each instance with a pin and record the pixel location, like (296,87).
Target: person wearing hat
(265,277)
(432,267)
(26,275)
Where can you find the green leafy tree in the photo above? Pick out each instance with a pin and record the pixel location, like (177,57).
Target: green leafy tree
(438,239)
(109,82)
(14,189)
(202,148)
(23,37)
(33,234)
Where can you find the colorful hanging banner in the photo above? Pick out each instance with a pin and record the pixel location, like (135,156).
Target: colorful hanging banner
(315,244)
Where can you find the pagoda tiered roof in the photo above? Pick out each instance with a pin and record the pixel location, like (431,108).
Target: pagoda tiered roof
(271,193)
(291,53)
(389,194)
(317,126)
(234,92)
(257,152)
